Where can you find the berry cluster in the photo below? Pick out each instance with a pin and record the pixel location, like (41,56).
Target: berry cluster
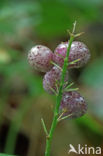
(43,59)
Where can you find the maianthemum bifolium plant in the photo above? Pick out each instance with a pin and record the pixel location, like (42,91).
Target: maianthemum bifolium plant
(69,103)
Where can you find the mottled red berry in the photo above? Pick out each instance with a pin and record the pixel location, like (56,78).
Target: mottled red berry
(73,104)
(78,51)
(40,58)
(52,80)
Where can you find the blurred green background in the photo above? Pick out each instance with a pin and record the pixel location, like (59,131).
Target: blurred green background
(23,101)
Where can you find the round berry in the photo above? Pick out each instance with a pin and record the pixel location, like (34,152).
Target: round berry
(51,80)
(73,104)
(40,58)
(78,51)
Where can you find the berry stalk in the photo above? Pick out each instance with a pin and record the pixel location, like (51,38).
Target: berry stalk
(59,96)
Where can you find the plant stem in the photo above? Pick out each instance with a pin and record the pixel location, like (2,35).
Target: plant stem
(59,98)
(44,127)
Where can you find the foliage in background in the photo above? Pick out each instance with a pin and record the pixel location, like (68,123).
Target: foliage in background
(25,23)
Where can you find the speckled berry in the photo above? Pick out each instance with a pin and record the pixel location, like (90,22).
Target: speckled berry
(52,78)
(40,58)
(78,51)
(73,104)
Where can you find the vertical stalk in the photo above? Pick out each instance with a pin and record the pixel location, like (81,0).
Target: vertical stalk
(59,98)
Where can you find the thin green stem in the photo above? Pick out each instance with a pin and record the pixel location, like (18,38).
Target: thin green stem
(71,84)
(56,65)
(44,126)
(59,98)
(71,89)
(65,117)
(60,116)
